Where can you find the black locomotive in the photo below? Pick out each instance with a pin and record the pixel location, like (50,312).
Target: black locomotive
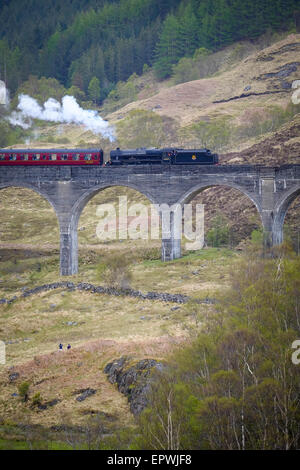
(169,156)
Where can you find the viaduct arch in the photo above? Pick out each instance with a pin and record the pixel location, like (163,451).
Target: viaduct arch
(280,211)
(68,190)
(77,210)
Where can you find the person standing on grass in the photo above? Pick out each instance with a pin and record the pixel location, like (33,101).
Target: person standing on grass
(60,346)
(69,346)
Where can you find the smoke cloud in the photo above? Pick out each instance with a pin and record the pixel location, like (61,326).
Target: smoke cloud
(68,111)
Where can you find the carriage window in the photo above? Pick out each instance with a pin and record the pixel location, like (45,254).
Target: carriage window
(26,156)
(14,157)
(10,157)
(88,156)
(2,157)
(75,157)
(53,156)
(36,156)
(21,156)
(64,157)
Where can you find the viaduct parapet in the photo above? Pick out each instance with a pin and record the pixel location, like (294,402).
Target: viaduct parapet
(68,189)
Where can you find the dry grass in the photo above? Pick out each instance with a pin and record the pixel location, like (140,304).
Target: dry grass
(105,328)
(192,101)
(189,101)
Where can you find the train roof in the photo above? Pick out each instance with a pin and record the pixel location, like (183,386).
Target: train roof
(50,150)
(156,148)
(144,150)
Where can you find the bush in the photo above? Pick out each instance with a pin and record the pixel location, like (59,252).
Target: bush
(41,89)
(219,233)
(266,120)
(123,93)
(143,129)
(214,134)
(36,399)
(77,93)
(62,140)
(23,390)
(205,64)
(116,270)
(185,71)
(257,237)
(146,68)
(9,135)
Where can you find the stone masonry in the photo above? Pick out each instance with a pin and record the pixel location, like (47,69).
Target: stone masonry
(68,189)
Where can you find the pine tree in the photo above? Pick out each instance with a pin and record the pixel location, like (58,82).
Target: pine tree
(188,29)
(168,48)
(94,90)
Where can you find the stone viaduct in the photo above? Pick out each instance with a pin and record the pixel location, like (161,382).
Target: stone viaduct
(69,188)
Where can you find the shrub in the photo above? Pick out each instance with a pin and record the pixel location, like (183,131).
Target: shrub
(116,270)
(141,129)
(146,68)
(23,390)
(62,140)
(185,71)
(214,134)
(219,233)
(41,89)
(266,120)
(123,93)
(36,399)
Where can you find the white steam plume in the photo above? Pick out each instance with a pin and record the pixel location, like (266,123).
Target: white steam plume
(68,111)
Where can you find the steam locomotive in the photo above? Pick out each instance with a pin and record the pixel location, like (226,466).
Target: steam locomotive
(171,156)
(140,156)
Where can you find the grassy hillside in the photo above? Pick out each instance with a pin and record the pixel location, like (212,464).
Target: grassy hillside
(262,128)
(243,94)
(210,111)
(99,328)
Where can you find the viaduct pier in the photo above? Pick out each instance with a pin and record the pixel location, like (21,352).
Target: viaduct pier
(69,188)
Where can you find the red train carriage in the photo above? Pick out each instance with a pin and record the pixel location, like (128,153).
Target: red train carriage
(50,157)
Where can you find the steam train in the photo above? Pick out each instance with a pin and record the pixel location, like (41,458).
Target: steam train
(171,156)
(141,156)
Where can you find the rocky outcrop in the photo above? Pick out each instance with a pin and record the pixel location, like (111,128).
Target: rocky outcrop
(13,377)
(44,406)
(133,381)
(85,393)
(246,95)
